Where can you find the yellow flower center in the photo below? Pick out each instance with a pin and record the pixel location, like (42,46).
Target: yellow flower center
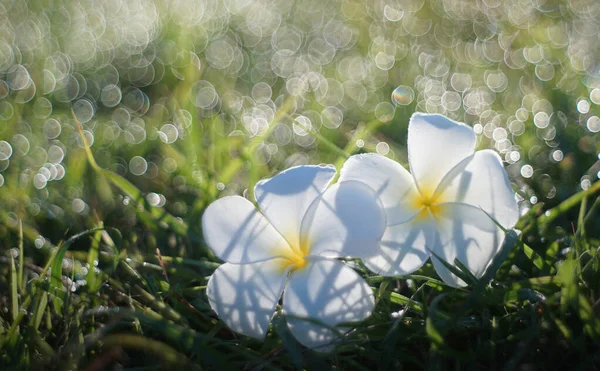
(293,257)
(428,202)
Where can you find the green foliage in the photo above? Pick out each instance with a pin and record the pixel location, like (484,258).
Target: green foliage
(133,311)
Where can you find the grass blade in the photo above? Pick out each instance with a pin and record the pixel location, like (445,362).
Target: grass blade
(38,313)
(56,270)
(20,281)
(14,294)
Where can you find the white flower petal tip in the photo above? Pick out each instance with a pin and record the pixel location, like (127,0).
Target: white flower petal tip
(332,293)
(244,296)
(449,205)
(237,233)
(300,226)
(435,145)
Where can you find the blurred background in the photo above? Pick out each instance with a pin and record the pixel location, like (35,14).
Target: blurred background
(187,99)
(169,92)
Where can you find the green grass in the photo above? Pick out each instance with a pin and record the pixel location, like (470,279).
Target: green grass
(96,274)
(146,310)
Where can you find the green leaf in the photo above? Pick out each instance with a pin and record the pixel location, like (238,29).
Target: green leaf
(433,333)
(56,285)
(550,215)
(38,313)
(93,281)
(396,298)
(510,241)
(589,318)
(567,274)
(167,353)
(535,258)
(459,271)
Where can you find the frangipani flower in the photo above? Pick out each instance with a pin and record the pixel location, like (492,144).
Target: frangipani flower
(291,242)
(441,207)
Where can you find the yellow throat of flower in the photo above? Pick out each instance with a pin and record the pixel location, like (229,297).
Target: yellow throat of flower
(293,257)
(428,202)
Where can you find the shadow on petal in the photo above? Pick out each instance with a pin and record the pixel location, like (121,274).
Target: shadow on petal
(322,296)
(245,296)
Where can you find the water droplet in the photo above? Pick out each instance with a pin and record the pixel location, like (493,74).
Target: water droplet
(526,171)
(52,128)
(84,111)
(138,165)
(382,148)
(583,106)
(5,150)
(403,95)
(111,95)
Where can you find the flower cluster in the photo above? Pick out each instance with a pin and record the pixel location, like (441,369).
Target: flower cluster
(447,208)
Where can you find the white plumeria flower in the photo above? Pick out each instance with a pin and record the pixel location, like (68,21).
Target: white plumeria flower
(441,208)
(291,242)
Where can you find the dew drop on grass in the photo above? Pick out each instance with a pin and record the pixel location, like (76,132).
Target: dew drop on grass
(593,124)
(78,205)
(39,242)
(138,165)
(48,82)
(451,100)
(168,133)
(5,150)
(111,95)
(39,181)
(18,77)
(66,89)
(153,198)
(55,154)
(526,171)
(3,89)
(84,111)
(42,108)
(382,148)
(595,95)
(52,128)
(169,165)
(583,106)
(403,95)
(384,111)
(6,110)
(261,92)
(332,117)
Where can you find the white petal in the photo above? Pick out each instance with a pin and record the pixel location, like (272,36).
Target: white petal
(348,220)
(328,293)
(481,181)
(435,145)
(285,198)
(404,247)
(465,233)
(244,296)
(393,184)
(237,233)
